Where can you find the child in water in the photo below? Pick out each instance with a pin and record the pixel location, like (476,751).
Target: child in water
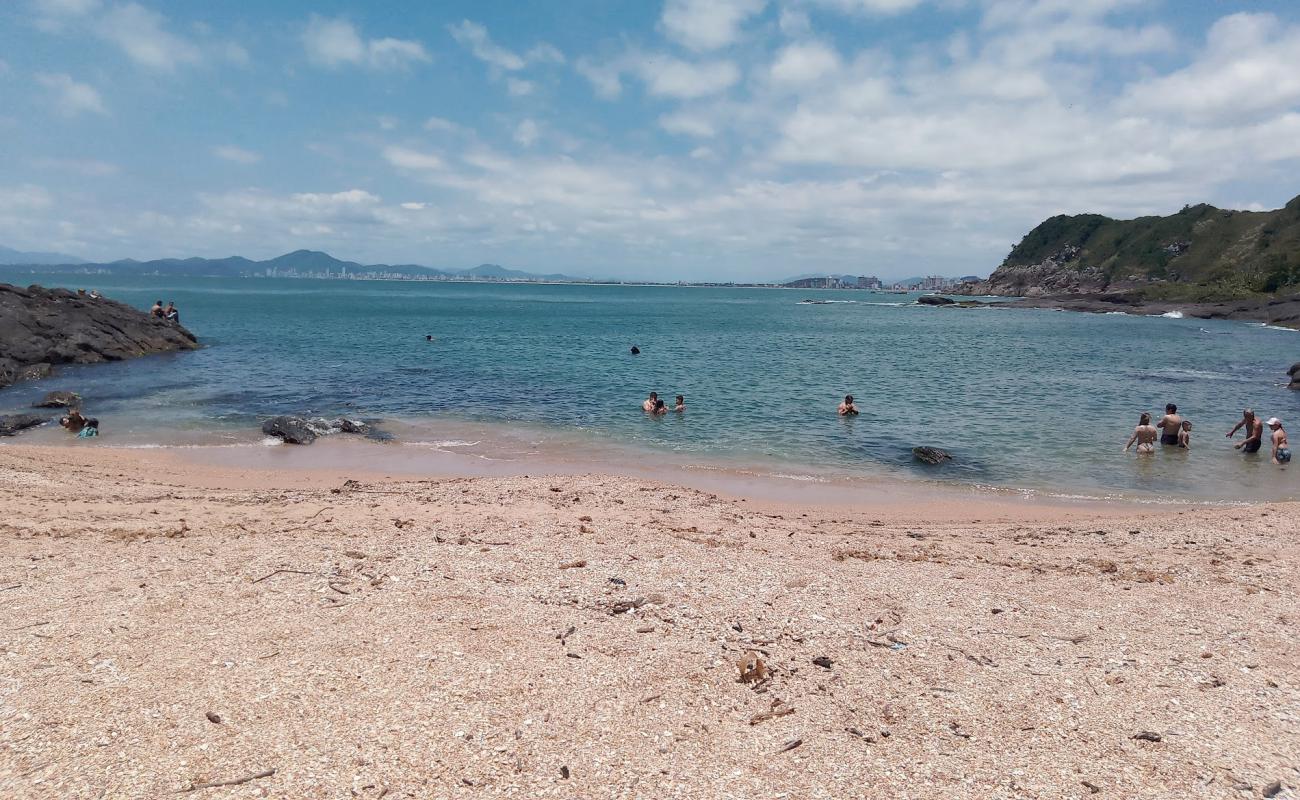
(1185,435)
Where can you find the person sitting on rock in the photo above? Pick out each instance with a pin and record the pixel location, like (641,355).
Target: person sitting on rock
(157,310)
(847,408)
(171,314)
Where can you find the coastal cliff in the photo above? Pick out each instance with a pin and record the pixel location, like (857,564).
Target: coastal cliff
(1201,254)
(43,328)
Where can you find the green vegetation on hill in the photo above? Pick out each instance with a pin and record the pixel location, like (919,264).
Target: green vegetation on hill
(1200,253)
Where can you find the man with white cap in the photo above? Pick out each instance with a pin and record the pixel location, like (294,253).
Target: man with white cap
(1281,452)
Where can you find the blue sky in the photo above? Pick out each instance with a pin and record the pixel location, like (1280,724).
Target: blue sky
(728,139)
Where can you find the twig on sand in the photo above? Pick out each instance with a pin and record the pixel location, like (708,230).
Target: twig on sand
(338,588)
(278,571)
(790,745)
(30,625)
(7,588)
(236,782)
(983,661)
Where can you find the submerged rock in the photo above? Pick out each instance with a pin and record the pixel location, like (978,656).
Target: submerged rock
(934,300)
(58,400)
(1294,372)
(47,327)
(12,424)
(931,455)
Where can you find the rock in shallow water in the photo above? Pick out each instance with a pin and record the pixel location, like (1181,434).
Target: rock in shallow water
(931,455)
(297,430)
(58,400)
(14,423)
(1294,372)
(934,300)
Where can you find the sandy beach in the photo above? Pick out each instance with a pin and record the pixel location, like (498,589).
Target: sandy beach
(315,633)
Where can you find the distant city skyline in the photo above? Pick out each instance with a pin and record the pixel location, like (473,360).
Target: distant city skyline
(706,140)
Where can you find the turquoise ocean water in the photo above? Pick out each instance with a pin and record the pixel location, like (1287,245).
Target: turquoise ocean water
(1039,400)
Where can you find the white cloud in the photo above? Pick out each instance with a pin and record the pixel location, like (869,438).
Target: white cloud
(671,77)
(53,16)
(407,158)
(527,132)
(440,124)
(688,124)
(475,37)
(1250,65)
(605,77)
(87,167)
(238,155)
(707,24)
(387,123)
(335,42)
(140,34)
(879,7)
(544,53)
(518,87)
(804,62)
(70,97)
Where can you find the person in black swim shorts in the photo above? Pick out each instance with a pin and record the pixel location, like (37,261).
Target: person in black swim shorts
(1170,424)
(1254,432)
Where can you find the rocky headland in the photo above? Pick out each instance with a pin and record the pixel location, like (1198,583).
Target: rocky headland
(41,329)
(1203,262)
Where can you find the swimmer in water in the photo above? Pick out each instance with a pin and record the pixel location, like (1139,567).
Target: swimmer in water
(660,408)
(649,405)
(1281,448)
(680,405)
(847,408)
(1169,425)
(636,351)
(1144,434)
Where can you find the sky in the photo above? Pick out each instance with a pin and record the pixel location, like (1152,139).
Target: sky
(684,139)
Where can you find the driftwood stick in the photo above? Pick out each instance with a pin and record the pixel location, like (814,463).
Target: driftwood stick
(278,571)
(237,781)
(7,588)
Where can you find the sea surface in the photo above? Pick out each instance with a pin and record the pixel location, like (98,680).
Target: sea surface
(1031,400)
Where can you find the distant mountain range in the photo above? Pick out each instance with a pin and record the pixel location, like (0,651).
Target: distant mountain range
(10,256)
(299,261)
(913,281)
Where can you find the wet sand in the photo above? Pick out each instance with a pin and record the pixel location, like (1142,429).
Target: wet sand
(364,632)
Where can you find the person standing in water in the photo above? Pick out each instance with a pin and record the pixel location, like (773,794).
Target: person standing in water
(847,408)
(680,405)
(1254,432)
(1144,434)
(1170,424)
(1281,448)
(649,405)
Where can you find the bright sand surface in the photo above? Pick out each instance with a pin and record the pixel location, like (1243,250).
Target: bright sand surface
(171,620)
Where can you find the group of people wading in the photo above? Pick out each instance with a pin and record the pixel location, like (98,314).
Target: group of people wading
(1174,431)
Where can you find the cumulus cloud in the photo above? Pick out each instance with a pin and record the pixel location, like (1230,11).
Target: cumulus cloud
(475,37)
(804,62)
(335,42)
(662,75)
(141,34)
(707,24)
(407,158)
(238,155)
(1250,65)
(527,132)
(70,97)
(878,7)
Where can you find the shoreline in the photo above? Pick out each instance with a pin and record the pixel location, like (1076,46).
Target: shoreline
(1281,313)
(520,454)
(349,635)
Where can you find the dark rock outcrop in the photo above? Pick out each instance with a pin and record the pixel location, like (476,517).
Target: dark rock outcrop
(934,300)
(931,455)
(1294,372)
(58,399)
(297,430)
(14,423)
(293,430)
(42,328)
